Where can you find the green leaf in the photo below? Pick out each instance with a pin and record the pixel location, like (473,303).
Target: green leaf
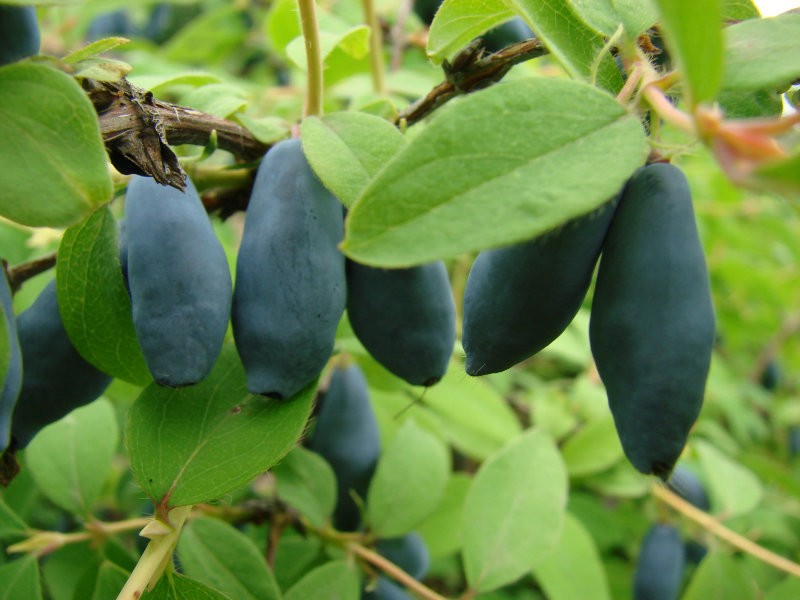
(733,489)
(442,529)
(295,557)
(457,22)
(497,167)
(636,15)
(110,580)
(218,99)
(198,443)
(347,149)
(720,577)
(48,119)
(693,31)
(600,15)
(788,589)
(332,581)
(593,449)
(572,43)
(739,10)
(354,42)
(574,568)
(94,48)
(66,571)
(782,176)
(306,482)
(180,587)
(94,302)
(71,459)
(20,579)
(480,423)
(409,481)
(267,130)
(760,53)
(514,511)
(102,69)
(216,554)
(11,525)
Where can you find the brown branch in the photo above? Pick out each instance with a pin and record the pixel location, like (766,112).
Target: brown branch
(19,274)
(471,70)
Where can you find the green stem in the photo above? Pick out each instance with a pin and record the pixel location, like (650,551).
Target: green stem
(308,18)
(375,48)
(151,563)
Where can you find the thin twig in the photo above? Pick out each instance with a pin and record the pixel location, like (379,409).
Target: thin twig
(20,273)
(719,530)
(395,572)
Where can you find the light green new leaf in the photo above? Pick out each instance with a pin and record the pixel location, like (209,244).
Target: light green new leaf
(720,577)
(94,48)
(693,31)
(457,22)
(347,149)
(574,568)
(198,443)
(409,481)
(20,579)
(353,42)
(514,511)
(570,41)
(332,581)
(46,118)
(94,302)
(499,166)
(594,448)
(70,459)
(739,10)
(179,587)
(110,580)
(600,15)
(306,483)
(442,530)
(734,489)
(762,53)
(636,15)
(216,554)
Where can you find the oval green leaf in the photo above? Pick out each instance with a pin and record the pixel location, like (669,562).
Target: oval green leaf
(593,449)
(496,167)
(179,587)
(306,482)
(198,443)
(93,301)
(20,579)
(216,554)
(347,149)
(409,481)
(47,118)
(514,511)
(574,568)
(457,22)
(71,459)
(332,581)
(734,489)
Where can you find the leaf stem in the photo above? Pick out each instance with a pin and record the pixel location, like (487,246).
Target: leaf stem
(308,19)
(375,47)
(710,524)
(152,562)
(395,572)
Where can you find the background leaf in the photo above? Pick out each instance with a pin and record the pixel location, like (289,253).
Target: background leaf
(71,459)
(20,579)
(48,119)
(94,302)
(408,483)
(110,580)
(216,554)
(693,30)
(306,482)
(594,448)
(347,149)
(197,443)
(332,581)
(442,529)
(494,168)
(719,577)
(759,53)
(574,568)
(514,511)
(179,587)
(734,490)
